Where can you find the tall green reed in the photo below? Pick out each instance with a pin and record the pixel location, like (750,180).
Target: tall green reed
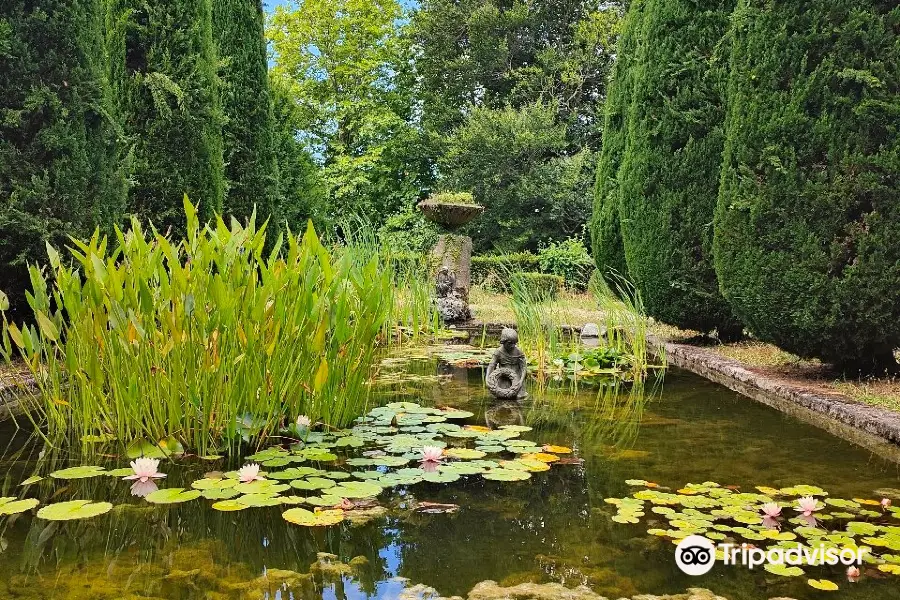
(155,338)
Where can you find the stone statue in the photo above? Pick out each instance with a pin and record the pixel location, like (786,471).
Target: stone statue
(451,303)
(505,376)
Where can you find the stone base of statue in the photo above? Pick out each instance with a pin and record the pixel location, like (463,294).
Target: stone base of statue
(451,267)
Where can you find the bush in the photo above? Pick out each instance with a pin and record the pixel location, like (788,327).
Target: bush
(164,64)
(669,177)
(536,286)
(248,133)
(493,271)
(59,172)
(570,260)
(451,198)
(807,227)
(606,235)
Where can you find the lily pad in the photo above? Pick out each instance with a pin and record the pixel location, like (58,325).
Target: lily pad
(171,496)
(219,493)
(259,500)
(464,453)
(823,584)
(327,500)
(306,518)
(73,509)
(783,570)
(162,449)
(441,476)
(356,489)
(506,475)
(78,472)
(313,483)
(228,506)
(32,479)
(11,506)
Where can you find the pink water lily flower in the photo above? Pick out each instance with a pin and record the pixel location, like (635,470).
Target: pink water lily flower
(432,454)
(885,503)
(852,574)
(771,510)
(142,489)
(249,473)
(145,469)
(771,523)
(807,505)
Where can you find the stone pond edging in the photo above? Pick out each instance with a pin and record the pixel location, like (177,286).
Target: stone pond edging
(876,429)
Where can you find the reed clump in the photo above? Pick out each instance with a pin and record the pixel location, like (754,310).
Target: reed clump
(145,337)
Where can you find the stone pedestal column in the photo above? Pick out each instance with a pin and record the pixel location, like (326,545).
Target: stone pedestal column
(451,270)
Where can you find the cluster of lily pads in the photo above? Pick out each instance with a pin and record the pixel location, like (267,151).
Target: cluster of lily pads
(400,444)
(771,518)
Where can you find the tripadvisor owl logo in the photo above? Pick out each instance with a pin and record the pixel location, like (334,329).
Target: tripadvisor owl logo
(695,555)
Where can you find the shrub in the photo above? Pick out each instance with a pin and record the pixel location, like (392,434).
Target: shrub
(606,235)
(451,198)
(807,227)
(202,335)
(669,176)
(248,132)
(570,260)
(538,286)
(166,88)
(493,270)
(59,172)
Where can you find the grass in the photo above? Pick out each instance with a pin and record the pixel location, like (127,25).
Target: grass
(882,392)
(570,308)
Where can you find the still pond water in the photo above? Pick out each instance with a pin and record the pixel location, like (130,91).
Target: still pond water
(555,527)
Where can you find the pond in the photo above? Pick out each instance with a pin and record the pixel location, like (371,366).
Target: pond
(555,527)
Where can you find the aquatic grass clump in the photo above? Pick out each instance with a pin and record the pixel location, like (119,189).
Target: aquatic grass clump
(204,339)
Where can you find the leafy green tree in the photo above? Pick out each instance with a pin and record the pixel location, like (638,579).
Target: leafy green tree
(346,65)
(300,194)
(514,162)
(164,72)
(58,157)
(807,227)
(668,180)
(606,234)
(248,133)
(486,68)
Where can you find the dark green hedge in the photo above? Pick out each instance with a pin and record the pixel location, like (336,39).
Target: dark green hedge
(493,270)
(164,65)
(807,229)
(248,132)
(669,176)
(58,160)
(536,286)
(606,235)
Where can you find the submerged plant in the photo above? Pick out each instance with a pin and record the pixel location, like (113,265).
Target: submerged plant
(146,337)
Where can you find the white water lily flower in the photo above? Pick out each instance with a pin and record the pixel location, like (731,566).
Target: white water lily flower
(770,509)
(807,505)
(303,421)
(249,473)
(145,469)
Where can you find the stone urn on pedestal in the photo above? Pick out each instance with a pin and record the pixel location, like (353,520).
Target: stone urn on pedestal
(451,257)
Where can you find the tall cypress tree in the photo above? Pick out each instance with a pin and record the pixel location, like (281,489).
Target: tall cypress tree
(669,177)
(807,228)
(606,235)
(250,169)
(167,90)
(58,167)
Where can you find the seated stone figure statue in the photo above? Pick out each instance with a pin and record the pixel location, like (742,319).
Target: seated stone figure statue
(505,376)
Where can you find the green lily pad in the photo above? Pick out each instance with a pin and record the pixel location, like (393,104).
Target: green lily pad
(209,484)
(163,449)
(73,509)
(337,475)
(171,496)
(464,453)
(389,461)
(277,462)
(295,473)
(259,500)
(441,477)
(306,518)
(32,479)
(324,500)
(506,475)
(313,483)
(262,486)
(122,472)
(228,506)
(78,472)
(356,489)
(783,570)
(292,499)
(11,506)
(823,584)
(219,493)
